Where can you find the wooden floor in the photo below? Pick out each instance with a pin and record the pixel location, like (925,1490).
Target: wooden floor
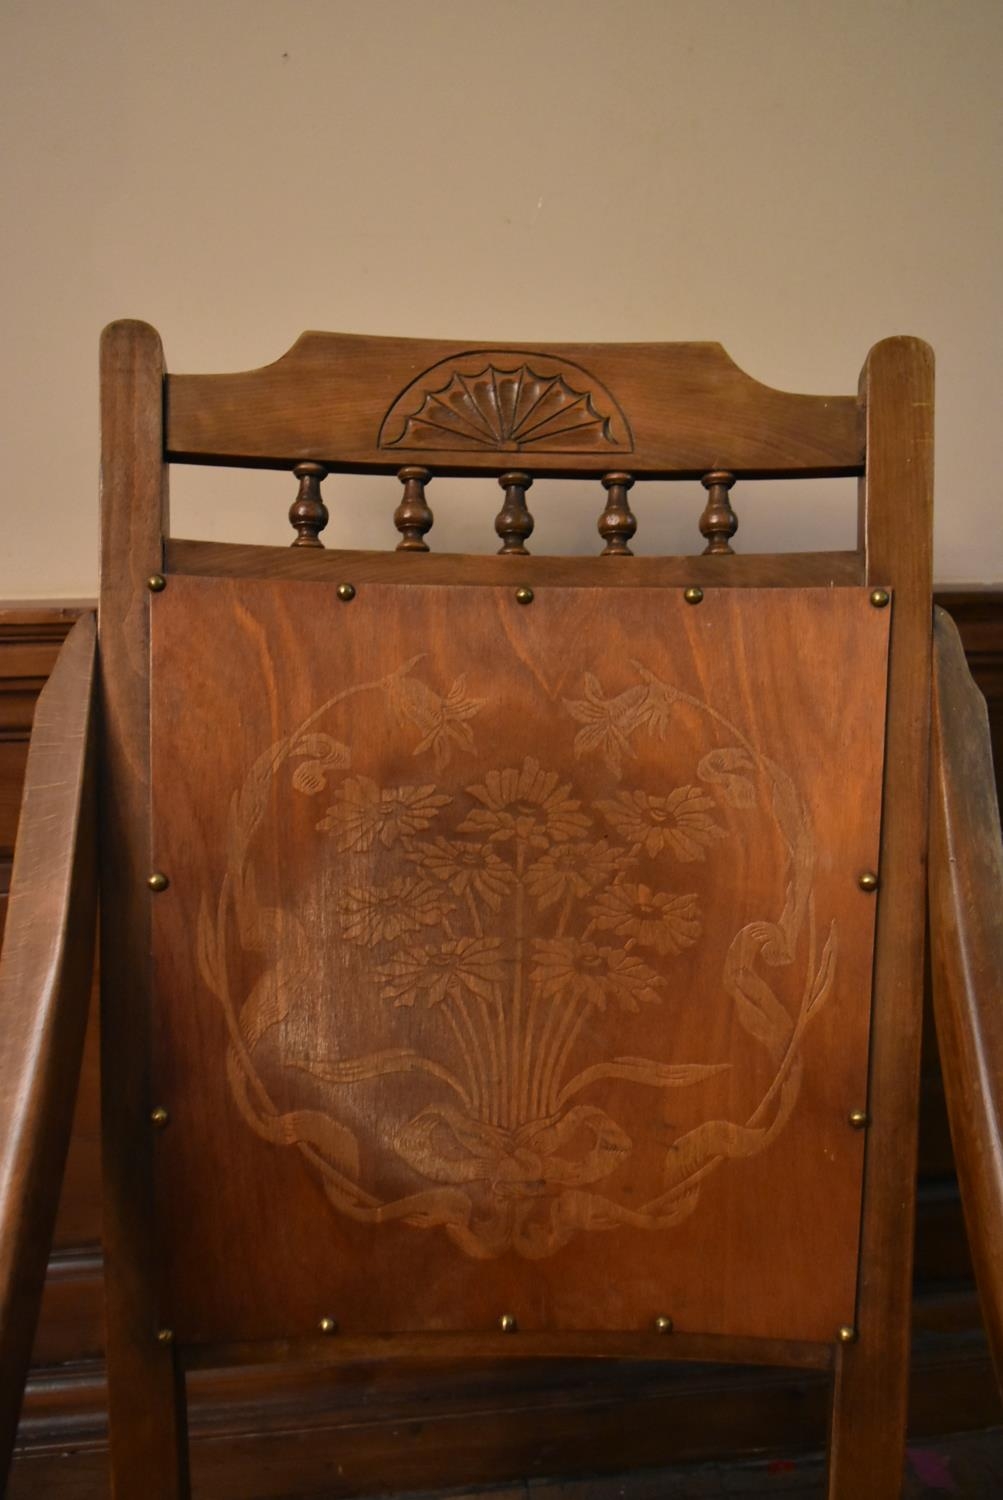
(968,1466)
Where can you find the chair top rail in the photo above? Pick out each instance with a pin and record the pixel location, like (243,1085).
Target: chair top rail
(375,404)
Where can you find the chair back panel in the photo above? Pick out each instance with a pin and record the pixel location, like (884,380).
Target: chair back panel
(514,958)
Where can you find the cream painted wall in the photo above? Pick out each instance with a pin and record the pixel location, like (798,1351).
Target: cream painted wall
(797,178)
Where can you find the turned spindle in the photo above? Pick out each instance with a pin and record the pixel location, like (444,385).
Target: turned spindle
(513,523)
(618,522)
(412,516)
(308,513)
(718,522)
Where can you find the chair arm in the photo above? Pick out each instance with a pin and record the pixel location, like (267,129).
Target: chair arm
(966,937)
(45,982)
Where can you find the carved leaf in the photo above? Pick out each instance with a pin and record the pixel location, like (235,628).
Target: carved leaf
(757,1007)
(822,982)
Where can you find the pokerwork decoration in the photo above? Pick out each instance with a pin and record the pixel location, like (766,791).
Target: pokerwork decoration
(519,925)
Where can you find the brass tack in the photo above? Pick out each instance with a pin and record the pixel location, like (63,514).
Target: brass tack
(879,598)
(328,1325)
(159,1117)
(693,595)
(507,1323)
(859,1119)
(156,583)
(847,1334)
(867,881)
(165,1335)
(158,881)
(663,1324)
(524,596)
(345,592)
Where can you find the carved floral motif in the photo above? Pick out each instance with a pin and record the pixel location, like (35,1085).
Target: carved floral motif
(522,921)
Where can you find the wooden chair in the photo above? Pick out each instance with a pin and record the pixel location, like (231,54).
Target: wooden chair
(510,955)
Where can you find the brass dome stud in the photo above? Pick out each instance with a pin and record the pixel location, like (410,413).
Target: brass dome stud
(156,583)
(165,1335)
(880,597)
(158,881)
(847,1334)
(345,592)
(663,1324)
(159,1117)
(524,595)
(328,1325)
(507,1323)
(693,595)
(868,881)
(859,1119)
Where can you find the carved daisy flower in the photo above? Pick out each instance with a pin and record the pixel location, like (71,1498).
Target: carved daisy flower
(364,812)
(568,968)
(573,870)
(680,822)
(526,805)
(380,914)
(465,867)
(654,918)
(442,972)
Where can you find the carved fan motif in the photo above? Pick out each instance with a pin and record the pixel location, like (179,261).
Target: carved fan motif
(505,408)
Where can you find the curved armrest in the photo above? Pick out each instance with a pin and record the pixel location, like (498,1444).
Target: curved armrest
(45,982)
(966,934)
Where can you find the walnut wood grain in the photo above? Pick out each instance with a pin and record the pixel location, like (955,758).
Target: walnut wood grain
(45,981)
(966,935)
(359,403)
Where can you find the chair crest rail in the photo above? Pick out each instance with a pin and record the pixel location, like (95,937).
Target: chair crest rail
(374,404)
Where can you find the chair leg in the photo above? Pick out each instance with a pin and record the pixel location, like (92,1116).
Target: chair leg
(148,1420)
(868,1426)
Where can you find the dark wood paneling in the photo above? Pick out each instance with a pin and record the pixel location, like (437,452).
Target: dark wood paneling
(415,1426)
(363,1430)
